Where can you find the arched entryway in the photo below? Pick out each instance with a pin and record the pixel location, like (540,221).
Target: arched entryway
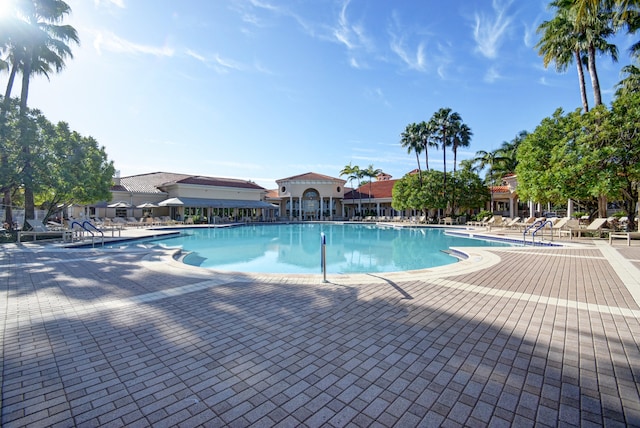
(310,204)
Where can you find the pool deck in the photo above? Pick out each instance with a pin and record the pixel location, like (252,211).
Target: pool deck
(534,336)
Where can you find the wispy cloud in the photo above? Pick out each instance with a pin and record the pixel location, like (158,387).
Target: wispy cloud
(110,42)
(530,36)
(223,65)
(489,31)
(413,57)
(117,3)
(492,75)
(249,11)
(376,94)
(352,35)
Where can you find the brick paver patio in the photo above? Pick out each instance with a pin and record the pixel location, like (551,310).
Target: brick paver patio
(543,337)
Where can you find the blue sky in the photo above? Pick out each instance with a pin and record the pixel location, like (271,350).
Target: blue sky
(267,89)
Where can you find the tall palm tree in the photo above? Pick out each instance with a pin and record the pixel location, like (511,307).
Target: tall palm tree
(353,172)
(461,138)
(371,173)
(444,124)
(631,82)
(488,159)
(561,44)
(410,139)
(41,48)
(592,25)
(506,155)
(425,135)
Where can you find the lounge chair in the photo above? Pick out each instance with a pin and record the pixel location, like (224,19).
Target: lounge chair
(478,223)
(446,220)
(40,230)
(596,226)
(530,221)
(495,221)
(511,223)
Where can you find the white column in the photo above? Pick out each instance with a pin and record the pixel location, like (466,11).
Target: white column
(570,208)
(299,207)
(290,207)
(331,207)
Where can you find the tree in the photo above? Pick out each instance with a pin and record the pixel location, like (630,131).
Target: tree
(68,168)
(75,169)
(581,28)
(41,48)
(584,156)
(353,173)
(561,44)
(410,139)
(425,135)
(371,173)
(469,190)
(631,82)
(490,159)
(461,138)
(444,124)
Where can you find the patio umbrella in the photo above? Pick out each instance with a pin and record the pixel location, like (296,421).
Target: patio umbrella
(172,202)
(119,204)
(147,205)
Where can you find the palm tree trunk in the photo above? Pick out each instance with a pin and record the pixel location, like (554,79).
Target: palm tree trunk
(583,87)
(4,158)
(419,169)
(595,83)
(25,140)
(426,157)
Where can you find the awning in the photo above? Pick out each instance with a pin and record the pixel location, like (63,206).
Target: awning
(214,203)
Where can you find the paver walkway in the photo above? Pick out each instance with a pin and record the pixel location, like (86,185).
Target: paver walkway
(544,337)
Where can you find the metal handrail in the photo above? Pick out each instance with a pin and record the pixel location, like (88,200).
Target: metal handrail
(544,223)
(526,230)
(84,225)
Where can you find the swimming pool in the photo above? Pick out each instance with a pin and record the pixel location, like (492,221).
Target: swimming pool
(296,248)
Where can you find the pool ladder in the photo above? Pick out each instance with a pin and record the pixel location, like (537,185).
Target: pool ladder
(87,226)
(537,226)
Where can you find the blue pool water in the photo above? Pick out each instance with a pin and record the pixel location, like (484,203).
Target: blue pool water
(296,248)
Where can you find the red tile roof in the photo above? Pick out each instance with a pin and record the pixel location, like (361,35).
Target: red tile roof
(379,190)
(500,189)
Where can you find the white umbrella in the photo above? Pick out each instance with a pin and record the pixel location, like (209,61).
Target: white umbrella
(119,204)
(172,202)
(147,205)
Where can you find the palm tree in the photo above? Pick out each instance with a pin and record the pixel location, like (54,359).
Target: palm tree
(488,159)
(425,135)
(353,173)
(462,138)
(43,47)
(560,44)
(589,26)
(630,83)
(371,173)
(506,155)
(410,139)
(444,124)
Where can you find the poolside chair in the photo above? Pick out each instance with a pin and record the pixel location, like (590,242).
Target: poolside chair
(478,223)
(495,221)
(40,230)
(596,226)
(511,223)
(446,220)
(528,222)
